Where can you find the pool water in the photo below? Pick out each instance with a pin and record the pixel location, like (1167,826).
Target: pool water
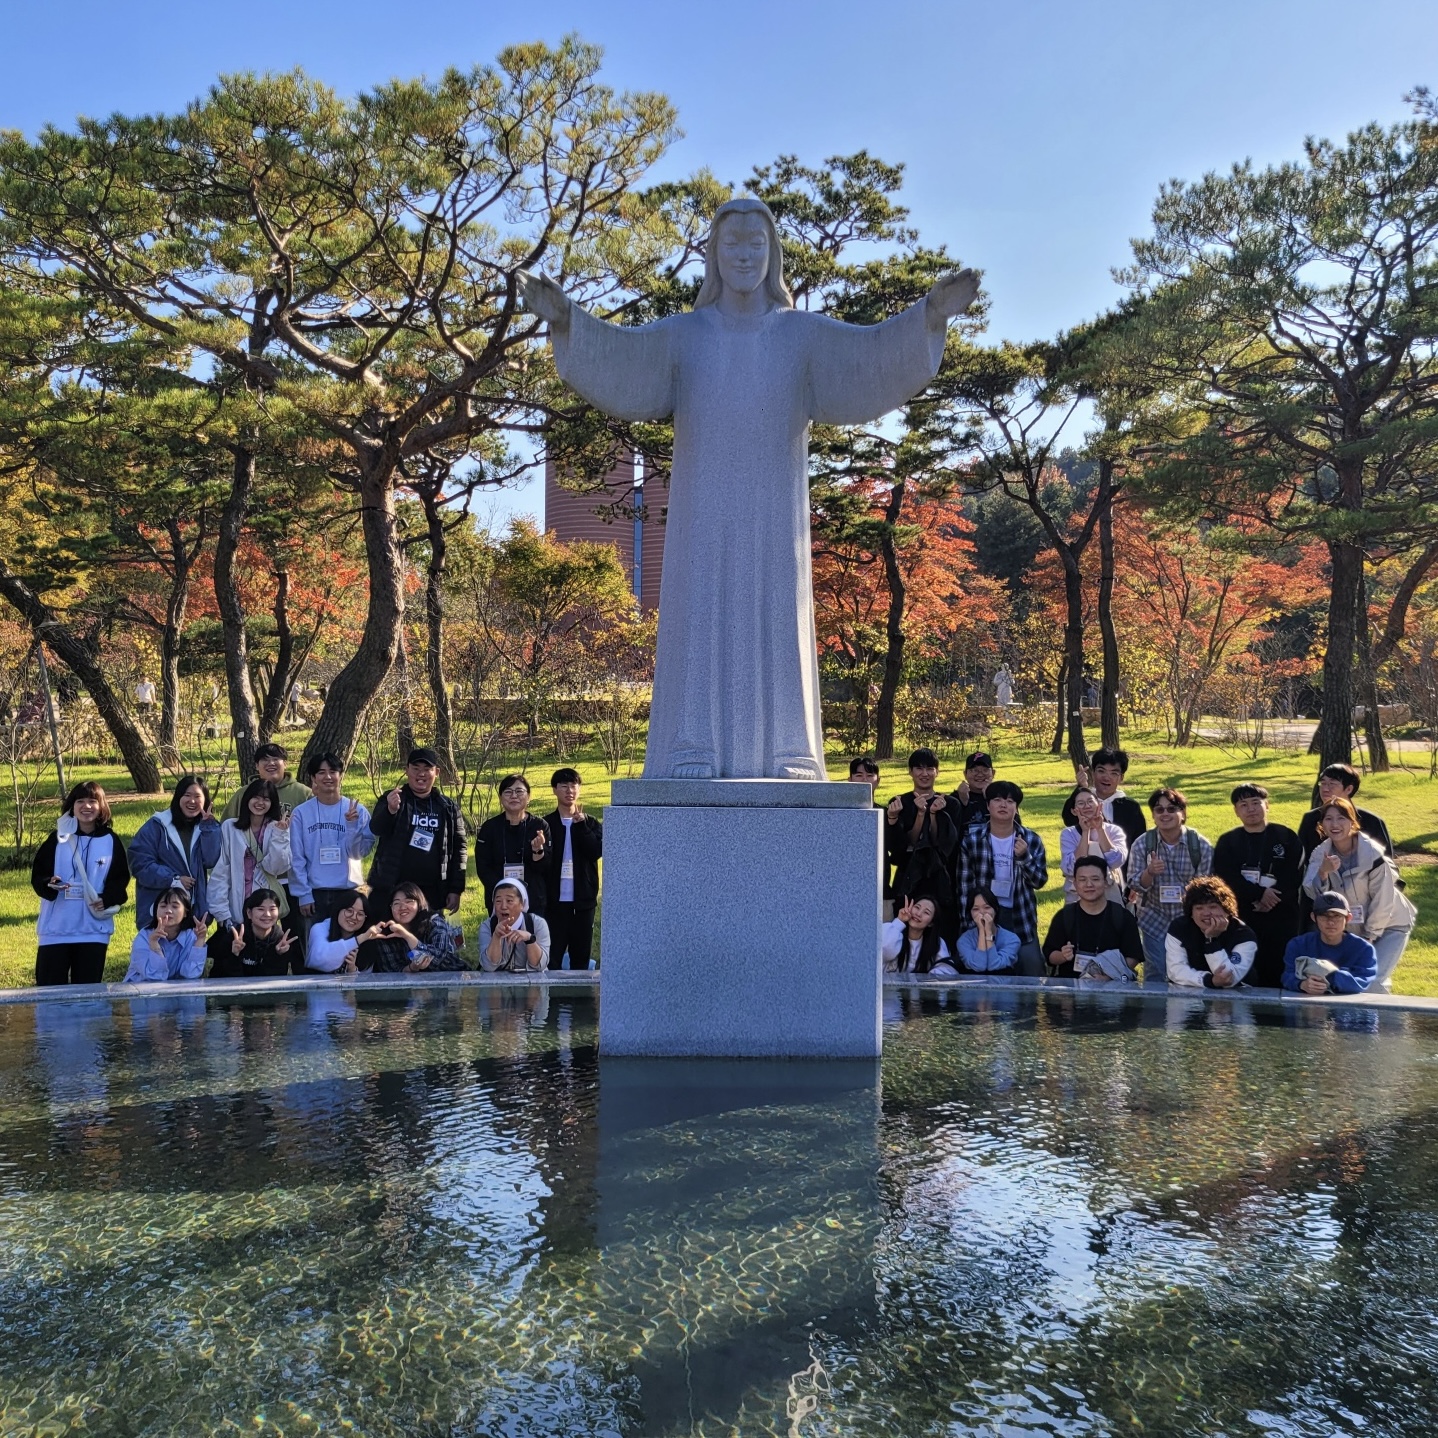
(438,1212)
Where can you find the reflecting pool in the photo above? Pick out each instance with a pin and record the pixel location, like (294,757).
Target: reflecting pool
(438,1212)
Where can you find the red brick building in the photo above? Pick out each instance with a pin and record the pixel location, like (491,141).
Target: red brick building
(626,511)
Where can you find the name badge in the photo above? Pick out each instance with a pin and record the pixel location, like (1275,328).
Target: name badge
(1252,875)
(1170,893)
(514,871)
(329,853)
(421,839)
(1357,917)
(566,869)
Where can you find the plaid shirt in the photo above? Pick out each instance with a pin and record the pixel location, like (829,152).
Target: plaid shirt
(1154,916)
(976,871)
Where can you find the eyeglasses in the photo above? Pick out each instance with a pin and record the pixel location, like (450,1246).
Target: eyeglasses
(1167,809)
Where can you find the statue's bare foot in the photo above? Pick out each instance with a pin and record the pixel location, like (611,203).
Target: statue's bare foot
(798,769)
(694,771)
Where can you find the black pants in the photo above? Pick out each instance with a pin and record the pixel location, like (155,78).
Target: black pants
(571,930)
(69,964)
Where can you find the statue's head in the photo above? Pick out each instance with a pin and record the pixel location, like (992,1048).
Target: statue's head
(743,253)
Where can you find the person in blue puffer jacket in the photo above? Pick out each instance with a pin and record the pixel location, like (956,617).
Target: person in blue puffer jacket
(176,849)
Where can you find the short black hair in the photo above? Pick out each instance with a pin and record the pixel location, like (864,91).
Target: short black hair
(327,757)
(1005,789)
(1248,791)
(256,897)
(864,764)
(564,776)
(510,780)
(1346,775)
(1090,861)
(153,922)
(923,759)
(271,751)
(1115,758)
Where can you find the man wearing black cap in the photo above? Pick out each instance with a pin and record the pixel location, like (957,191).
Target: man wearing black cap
(972,795)
(1332,961)
(421,838)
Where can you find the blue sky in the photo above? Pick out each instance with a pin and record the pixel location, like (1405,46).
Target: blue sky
(1035,133)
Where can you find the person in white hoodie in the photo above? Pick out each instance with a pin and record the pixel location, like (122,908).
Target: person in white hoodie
(254,854)
(82,877)
(1350,863)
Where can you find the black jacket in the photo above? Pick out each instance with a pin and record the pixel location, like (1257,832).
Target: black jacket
(1277,854)
(498,843)
(396,859)
(586,841)
(259,959)
(924,865)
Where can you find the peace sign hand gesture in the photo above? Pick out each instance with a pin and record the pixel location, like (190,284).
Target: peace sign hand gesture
(237,940)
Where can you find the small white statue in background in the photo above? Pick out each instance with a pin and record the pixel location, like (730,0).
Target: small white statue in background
(1004,687)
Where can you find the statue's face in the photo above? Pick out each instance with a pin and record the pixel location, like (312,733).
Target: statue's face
(743,252)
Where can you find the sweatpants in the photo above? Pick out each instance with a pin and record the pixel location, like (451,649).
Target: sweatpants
(69,964)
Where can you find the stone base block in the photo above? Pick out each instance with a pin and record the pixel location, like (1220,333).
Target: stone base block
(736,930)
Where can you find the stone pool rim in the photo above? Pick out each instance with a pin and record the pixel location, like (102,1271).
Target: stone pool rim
(586,979)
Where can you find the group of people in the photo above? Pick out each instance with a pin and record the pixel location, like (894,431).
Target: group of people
(1316,910)
(275,885)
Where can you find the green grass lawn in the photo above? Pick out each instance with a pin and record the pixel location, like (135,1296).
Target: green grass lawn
(1407,799)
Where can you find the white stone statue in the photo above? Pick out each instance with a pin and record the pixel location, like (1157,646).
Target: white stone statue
(744,374)
(1004,687)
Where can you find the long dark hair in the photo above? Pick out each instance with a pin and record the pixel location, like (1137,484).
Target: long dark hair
(928,954)
(153,922)
(182,785)
(254,790)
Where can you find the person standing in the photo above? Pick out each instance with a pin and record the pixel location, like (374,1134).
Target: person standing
(82,877)
(971,797)
(514,844)
(921,838)
(1007,859)
(329,836)
(1090,836)
(576,844)
(1340,781)
(1105,774)
(1261,863)
(1161,864)
(176,849)
(1351,863)
(270,761)
(421,839)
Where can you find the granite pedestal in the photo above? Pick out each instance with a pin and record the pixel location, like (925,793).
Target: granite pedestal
(741,920)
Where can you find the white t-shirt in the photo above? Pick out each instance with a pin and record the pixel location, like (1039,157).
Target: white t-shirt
(1003,852)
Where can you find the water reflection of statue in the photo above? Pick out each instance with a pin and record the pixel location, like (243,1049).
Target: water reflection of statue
(736,686)
(1004,687)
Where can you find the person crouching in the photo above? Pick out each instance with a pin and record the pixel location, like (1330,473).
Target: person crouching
(1207,947)
(511,939)
(911,942)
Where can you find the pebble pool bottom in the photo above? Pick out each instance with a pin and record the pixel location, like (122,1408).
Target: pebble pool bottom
(439,1212)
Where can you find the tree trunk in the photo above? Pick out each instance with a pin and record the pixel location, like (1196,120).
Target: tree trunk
(81,660)
(243,720)
(434,634)
(277,694)
(355,686)
(1073,659)
(1108,715)
(1060,709)
(175,607)
(1335,727)
(1368,679)
(404,738)
(893,671)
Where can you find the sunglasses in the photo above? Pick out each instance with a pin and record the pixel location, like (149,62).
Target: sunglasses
(1167,809)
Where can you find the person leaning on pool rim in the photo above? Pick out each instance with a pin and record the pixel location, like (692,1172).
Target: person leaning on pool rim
(1094,937)
(1208,946)
(1160,862)
(1330,961)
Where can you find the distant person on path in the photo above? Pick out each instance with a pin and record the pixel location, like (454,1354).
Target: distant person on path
(1331,960)
(270,761)
(1349,862)
(1092,836)
(912,944)
(921,836)
(421,838)
(177,848)
(329,837)
(1262,864)
(1208,947)
(1104,775)
(1095,937)
(576,844)
(1007,859)
(170,944)
(1161,864)
(145,697)
(82,877)
(985,946)
(514,844)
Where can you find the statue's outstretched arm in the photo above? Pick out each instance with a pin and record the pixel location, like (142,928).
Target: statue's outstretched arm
(543,297)
(951,296)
